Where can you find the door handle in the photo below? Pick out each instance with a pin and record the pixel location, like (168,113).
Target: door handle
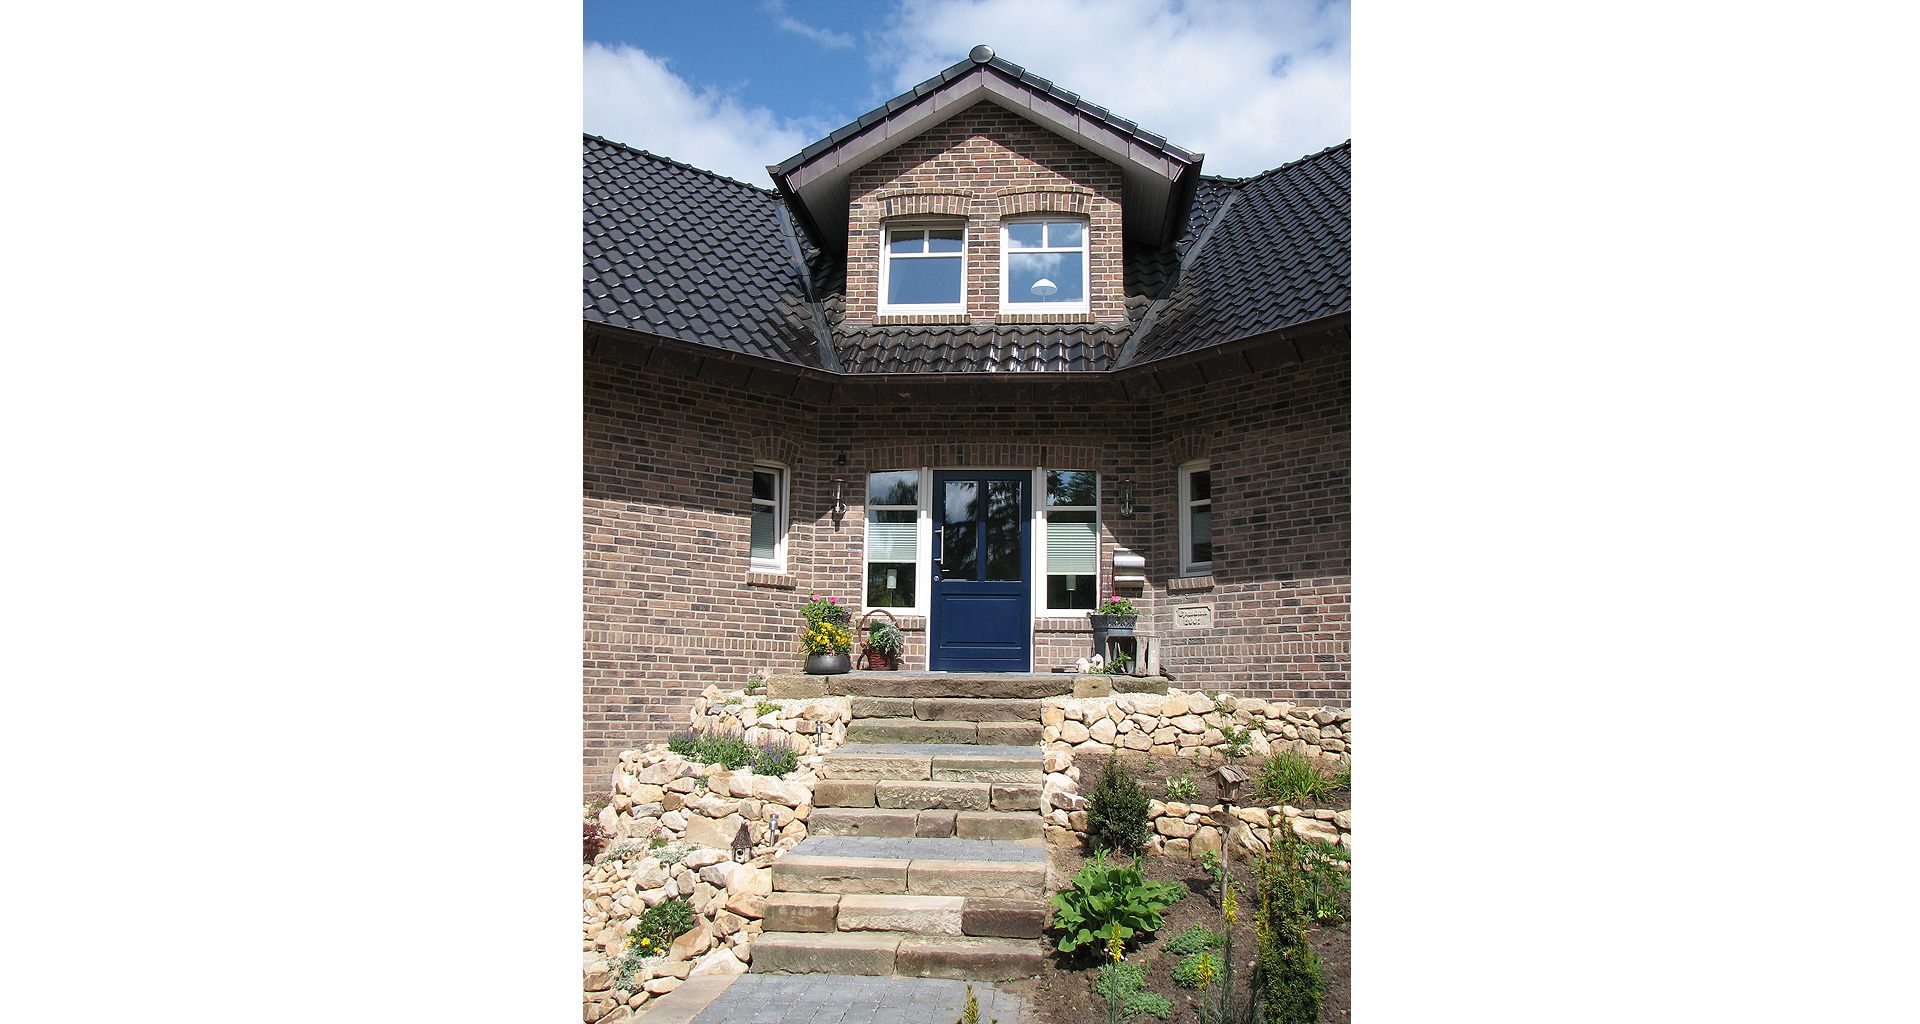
(938,546)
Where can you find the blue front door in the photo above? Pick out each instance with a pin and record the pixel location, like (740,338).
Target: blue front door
(982,618)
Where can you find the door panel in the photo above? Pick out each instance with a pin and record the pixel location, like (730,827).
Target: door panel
(981,618)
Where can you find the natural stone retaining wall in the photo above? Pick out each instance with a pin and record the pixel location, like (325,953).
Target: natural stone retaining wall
(697,810)
(812,726)
(1190,830)
(1190,725)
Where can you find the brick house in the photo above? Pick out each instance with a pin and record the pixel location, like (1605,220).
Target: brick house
(990,320)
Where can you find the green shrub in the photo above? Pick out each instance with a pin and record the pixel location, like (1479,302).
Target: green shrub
(1343,775)
(764,707)
(728,752)
(1115,606)
(1288,776)
(683,743)
(1117,811)
(1291,985)
(1196,970)
(1182,788)
(1109,901)
(1195,939)
(1124,987)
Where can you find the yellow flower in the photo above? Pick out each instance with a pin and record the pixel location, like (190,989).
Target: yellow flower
(1228,908)
(1117,948)
(1204,968)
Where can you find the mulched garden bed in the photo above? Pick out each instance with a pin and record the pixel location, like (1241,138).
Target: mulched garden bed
(1063,993)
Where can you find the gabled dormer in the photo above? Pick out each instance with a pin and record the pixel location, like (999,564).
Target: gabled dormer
(987,196)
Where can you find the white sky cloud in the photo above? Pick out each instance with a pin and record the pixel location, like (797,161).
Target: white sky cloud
(825,37)
(630,96)
(1251,83)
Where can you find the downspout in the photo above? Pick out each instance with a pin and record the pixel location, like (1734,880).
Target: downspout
(823,331)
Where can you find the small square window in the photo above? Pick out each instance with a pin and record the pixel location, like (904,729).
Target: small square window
(923,269)
(1043,266)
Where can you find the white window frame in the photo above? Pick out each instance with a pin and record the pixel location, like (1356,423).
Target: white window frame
(1042,592)
(1188,567)
(886,263)
(1085,305)
(922,545)
(782,485)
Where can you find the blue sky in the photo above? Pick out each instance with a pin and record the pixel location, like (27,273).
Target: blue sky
(734,85)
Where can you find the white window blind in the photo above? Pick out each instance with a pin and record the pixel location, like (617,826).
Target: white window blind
(1072,548)
(890,542)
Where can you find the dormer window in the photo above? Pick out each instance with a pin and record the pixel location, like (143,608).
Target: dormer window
(1043,266)
(922,269)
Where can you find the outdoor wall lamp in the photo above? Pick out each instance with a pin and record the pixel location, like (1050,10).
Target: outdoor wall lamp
(839,506)
(1126,498)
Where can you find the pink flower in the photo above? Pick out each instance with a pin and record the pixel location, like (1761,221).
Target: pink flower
(833,600)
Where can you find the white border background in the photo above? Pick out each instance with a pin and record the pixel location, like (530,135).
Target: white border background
(291,418)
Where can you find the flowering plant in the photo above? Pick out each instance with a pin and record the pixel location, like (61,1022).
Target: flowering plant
(824,609)
(827,637)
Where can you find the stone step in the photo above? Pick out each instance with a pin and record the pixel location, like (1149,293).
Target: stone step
(980,916)
(984,685)
(947,709)
(966,958)
(921,866)
(941,762)
(864,953)
(914,823)
(996,879)
(900,954)
(918,730)
(925,795)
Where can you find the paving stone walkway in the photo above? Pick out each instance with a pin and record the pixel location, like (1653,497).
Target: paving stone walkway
(842,999)
(920,849)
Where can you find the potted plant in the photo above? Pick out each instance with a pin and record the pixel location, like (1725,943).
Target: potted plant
(827,643)
(1114,618)
(884,642)
(825,609)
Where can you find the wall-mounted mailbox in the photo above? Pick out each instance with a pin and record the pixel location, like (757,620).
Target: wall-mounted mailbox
(1129,569)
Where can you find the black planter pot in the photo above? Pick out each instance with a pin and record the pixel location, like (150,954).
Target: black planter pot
(828,664)
(1105,626)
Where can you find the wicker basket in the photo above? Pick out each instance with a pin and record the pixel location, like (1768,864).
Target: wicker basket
(872,660)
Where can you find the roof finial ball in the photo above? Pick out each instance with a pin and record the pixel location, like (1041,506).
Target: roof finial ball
(981,54)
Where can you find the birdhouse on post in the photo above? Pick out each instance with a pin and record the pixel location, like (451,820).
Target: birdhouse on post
(742,845)
(1230,783)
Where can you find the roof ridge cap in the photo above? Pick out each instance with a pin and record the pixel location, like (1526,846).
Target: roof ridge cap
(769,192)
(1295,163)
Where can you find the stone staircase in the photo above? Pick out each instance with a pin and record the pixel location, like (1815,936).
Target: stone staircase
(925,855)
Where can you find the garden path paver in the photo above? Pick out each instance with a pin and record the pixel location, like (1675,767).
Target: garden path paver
(844,999)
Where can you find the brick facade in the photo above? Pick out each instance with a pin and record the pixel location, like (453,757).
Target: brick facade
(671,607)
(984,164)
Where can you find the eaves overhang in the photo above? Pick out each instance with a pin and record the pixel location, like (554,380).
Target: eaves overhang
(1216,364)
(1157,177)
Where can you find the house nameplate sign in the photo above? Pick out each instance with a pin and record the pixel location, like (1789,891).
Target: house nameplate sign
(1193,616)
